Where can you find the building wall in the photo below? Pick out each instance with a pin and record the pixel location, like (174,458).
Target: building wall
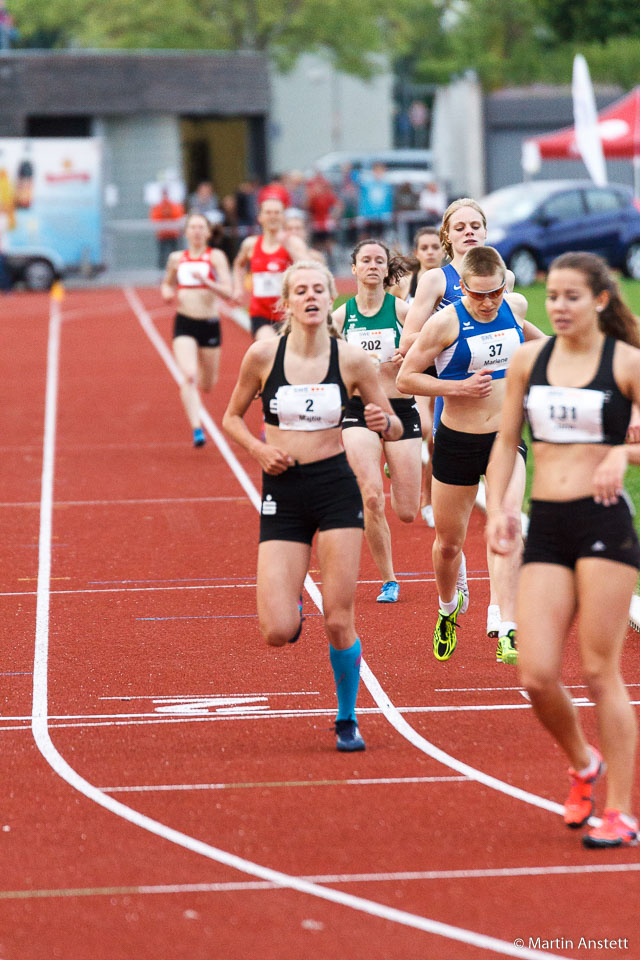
(458,137)
(316,109)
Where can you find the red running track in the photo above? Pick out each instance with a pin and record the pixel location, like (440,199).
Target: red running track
(171,787)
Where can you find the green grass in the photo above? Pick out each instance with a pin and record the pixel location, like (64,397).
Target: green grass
(536,314)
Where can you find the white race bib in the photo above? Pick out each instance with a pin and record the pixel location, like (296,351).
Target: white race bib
(492,351)
(267,284)
(316,406)
(379,344)
(193,274)
(565,414)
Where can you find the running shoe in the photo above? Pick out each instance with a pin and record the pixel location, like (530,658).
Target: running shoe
(444,635)
(461,583)
(493,621)
(506,652)
(386,470)
(427,515)
(616,830)
(389,592)
(199,438)
(578,806)
(348,738)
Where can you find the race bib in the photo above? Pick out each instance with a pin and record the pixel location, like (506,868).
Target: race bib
(193,274)
(315,406)
(492,352)
(267,284)
(379,344)
(565,414)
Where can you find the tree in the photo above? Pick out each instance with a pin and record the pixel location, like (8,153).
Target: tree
(590,20)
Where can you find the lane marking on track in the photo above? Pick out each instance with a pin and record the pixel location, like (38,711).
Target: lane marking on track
(248,886)
(261,785)
(40,722)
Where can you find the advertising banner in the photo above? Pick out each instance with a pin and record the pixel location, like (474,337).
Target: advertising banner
(50,198)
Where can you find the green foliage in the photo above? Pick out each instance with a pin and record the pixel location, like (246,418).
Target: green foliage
(590,20)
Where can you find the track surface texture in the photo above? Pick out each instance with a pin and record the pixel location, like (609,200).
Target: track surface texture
(171,786)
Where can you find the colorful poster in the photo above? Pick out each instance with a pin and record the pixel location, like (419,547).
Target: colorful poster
(50,198)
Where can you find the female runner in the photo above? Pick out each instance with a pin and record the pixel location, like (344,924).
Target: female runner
(373,320)
(471,343)
(582,553)
(429,254)
(197,277)
(464,226)
(305,378)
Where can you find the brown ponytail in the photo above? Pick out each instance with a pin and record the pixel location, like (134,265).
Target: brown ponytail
(397,266)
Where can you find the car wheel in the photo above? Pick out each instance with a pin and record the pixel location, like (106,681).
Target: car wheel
(632,260)
(524,266)
(38,274)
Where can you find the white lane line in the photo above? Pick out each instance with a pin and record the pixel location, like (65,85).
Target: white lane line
(209,586)
(133,501)
(40,725)
(170,787)
(497,873)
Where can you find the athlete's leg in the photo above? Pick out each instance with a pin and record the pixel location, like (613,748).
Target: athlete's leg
(505,570)
(452,505)
(363,452)
(545,610)
(282,567)
(404,460)
(185,351)
(604,592)
(209,367)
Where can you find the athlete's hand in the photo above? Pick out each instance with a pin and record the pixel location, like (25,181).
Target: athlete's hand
(633,433)
(478,386)
(503,531)
(609,475)
(386,424)
(397,358)
(167,292)
(272,460)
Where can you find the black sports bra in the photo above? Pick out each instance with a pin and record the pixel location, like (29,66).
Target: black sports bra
(595,413)
(316,406)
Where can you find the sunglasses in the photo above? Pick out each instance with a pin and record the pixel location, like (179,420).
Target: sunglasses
(483,294)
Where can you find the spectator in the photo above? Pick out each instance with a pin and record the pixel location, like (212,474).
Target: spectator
(322,204)
(375,202)
(8,32)
(294,182)
(405,202)
(204,200)
(167,236)
(348,193)
(246,204)
(433,201)
(229,213)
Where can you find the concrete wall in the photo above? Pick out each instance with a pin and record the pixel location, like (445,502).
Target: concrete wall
(457,137)
(316,109)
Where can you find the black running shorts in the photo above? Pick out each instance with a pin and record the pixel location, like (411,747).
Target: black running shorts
(405,409)
(308,497)
(206,333)
(564,532)
(460,459)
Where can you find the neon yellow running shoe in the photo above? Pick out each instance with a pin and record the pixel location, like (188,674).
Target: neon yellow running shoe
(444,635)
(507,652)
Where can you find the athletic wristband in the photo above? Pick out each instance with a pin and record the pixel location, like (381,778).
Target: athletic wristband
(388,426)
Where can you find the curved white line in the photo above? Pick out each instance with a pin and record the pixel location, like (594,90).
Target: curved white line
(40,721)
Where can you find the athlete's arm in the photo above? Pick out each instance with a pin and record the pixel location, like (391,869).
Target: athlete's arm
(296,248)
(503,525)
(241,266)
(608,478)
(339,317)
(429,293)
(436,336)
(169,283)
(222,285)
(256,361)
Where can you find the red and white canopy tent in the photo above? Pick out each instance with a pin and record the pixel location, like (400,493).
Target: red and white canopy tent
(619,129)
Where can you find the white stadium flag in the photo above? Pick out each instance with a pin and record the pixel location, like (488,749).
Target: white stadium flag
(585,118)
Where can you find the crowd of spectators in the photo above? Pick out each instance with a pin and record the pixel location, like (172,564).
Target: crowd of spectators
(334,214)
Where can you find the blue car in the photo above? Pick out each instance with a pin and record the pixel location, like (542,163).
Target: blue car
(531,223)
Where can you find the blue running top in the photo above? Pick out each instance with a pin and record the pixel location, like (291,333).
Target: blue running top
(481,347)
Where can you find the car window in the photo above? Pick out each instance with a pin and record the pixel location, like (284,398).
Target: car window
(603,201)
(564,206)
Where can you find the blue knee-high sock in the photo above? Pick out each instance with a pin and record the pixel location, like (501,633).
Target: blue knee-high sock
(346,670)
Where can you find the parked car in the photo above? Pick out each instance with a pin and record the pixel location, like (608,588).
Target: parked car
(531,223)
(402,166)
(37,270)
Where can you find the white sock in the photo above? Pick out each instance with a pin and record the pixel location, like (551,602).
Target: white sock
(591,768)
(506,625)
(449,607)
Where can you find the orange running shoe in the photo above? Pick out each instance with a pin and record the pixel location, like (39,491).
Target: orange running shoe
(579,804)
(616,830)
